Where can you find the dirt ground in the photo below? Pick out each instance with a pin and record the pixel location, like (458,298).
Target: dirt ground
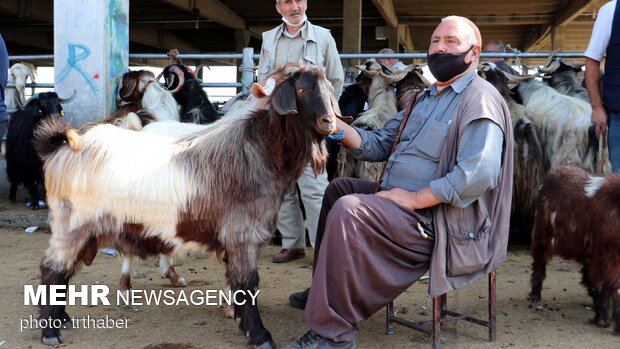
(559,321)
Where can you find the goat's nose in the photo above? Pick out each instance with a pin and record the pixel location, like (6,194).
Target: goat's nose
(327,119)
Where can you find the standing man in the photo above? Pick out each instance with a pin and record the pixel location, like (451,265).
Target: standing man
(443,202)
(605,42)
(497,46)
(4,74)
(392,62)
(299,41)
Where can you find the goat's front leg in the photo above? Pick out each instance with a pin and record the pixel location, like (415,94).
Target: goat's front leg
(616,309)
(33,190)
(13,193)
(601,314)
(593,291)
(242,275)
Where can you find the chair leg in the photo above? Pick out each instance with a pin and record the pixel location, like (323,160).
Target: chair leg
(389,311)
(492,309)
(437,315)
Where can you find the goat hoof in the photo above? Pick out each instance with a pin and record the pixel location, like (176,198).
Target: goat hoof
(266,345)
(533,297)
(600,322)
(180,282)
(52,341)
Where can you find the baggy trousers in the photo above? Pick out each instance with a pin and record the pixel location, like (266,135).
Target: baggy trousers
(368,251)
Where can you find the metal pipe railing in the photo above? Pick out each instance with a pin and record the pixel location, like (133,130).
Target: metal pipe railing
(248,58)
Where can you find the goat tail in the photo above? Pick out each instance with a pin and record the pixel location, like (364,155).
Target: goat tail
(54,133)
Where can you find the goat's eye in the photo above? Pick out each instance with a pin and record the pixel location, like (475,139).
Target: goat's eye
(300,90)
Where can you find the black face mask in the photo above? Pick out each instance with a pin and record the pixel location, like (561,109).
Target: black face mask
(445,66)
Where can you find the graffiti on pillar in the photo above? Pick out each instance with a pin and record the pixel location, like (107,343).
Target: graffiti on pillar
(77,53)
(118,29)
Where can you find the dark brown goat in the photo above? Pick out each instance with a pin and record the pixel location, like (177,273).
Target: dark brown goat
(578,218)
(223,188)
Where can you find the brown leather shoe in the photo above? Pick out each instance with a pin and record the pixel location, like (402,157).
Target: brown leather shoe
(287,255)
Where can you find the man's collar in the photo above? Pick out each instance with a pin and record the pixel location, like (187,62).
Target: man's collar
(457,85)
(305,31)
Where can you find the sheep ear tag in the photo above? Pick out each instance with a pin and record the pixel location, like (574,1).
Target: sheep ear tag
(262,91)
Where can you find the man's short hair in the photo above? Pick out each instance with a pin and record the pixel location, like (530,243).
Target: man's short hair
(473,40)
(386,51)
(498,44)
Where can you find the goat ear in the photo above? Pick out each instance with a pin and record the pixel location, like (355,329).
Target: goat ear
(262,91)
(131,86)
(283,99)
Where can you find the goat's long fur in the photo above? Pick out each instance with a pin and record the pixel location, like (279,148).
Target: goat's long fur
(15,96)
(381,107)
(578,218)
(563,122)
(219,190)
(529,167)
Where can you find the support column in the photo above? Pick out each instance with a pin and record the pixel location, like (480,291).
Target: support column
(351,28)
(242,39)
(393,40)
(91,51)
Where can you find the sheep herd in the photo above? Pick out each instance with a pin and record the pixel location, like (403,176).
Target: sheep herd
(164,175)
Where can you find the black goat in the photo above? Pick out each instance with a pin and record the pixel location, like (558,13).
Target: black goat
(185,87)
(23,165)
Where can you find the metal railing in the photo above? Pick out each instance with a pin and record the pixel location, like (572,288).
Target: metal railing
(248,57)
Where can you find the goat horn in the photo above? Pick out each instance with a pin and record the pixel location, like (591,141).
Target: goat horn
(573,64)
(67,100)
(159,76)
(517,78)
(550,68)
(199,68)
(486,66)
(551,55)
(33,97)
(180,75)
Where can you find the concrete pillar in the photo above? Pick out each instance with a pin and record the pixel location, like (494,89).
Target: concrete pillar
(91,48)
(352,28)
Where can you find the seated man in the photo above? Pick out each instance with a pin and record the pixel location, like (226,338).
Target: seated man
(443,201)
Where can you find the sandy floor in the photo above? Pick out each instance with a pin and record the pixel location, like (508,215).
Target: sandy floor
(559,321)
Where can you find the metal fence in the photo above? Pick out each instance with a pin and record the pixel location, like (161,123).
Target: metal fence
(248,57)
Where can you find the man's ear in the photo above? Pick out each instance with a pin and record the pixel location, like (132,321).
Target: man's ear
(278,8)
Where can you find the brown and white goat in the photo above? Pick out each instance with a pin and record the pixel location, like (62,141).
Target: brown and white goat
(219,190)
(140,93)
(578,218)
